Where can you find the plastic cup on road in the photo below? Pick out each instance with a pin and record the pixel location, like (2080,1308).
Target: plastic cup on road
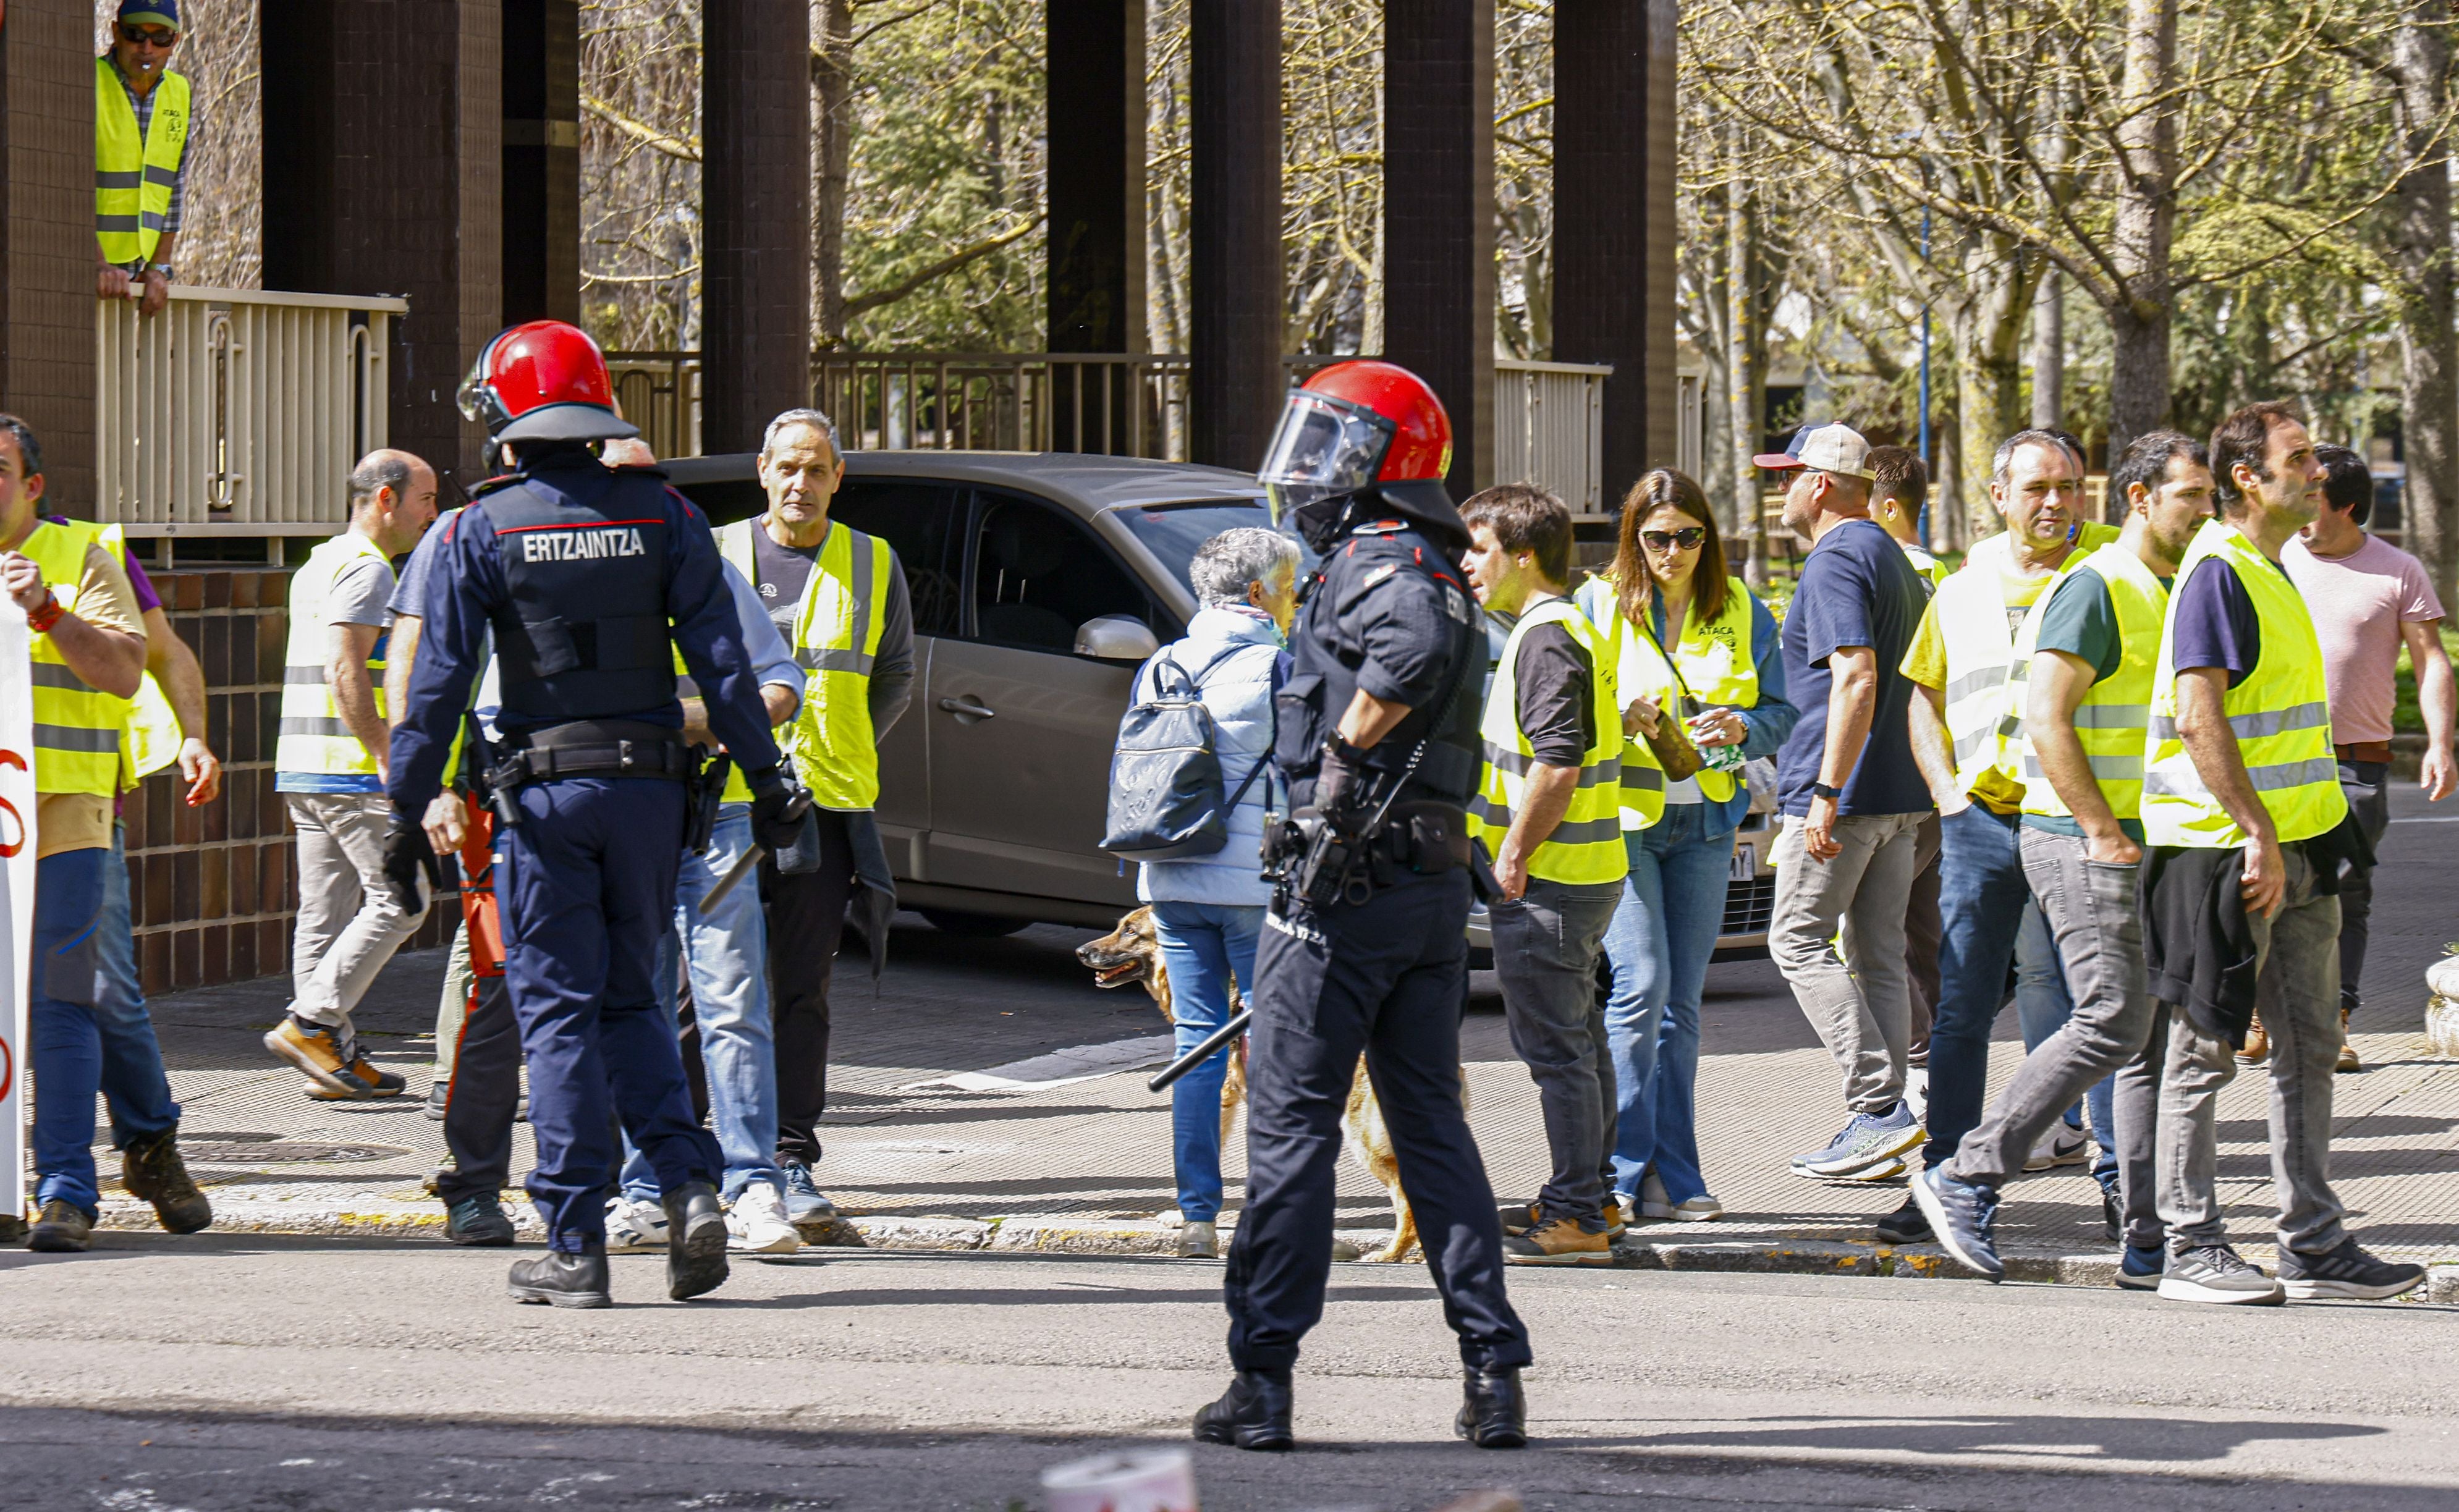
(1146,1481)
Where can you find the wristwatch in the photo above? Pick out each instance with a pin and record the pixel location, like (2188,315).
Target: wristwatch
(1819,790)
(163,268)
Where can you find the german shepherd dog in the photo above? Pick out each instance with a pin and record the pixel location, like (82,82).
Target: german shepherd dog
(1131,952)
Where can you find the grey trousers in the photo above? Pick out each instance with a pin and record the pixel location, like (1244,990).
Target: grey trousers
(1859,1004)
(1546,950)
(2367,785)
(349,923)
(2095,914)
(2297,995)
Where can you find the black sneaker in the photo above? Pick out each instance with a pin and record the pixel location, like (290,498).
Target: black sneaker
(62,1228)
(1962,1215)
(478,1220)
(2141,1270)
(2345,1271)
(1906,1224)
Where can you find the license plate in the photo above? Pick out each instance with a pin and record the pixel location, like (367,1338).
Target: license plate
(1746,862)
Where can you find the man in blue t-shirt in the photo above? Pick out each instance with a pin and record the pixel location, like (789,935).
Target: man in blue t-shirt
(1852,798)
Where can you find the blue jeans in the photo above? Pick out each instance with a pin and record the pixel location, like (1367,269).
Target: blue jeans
(134,1083)
(728,956)
(65,982)
(1203,946)
(1658,945)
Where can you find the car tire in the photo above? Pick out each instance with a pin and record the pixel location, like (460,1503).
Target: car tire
(973,925)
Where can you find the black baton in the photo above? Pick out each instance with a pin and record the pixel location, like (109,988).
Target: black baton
(1196,1057)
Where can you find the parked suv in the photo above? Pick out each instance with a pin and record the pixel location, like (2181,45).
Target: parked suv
(1039,583)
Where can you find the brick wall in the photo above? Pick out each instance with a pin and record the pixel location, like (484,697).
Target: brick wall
(212,888)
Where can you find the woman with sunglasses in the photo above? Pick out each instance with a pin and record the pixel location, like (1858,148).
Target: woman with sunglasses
(1693,646)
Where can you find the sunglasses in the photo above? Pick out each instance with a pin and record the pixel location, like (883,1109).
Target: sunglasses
(149,36)
(1688,539)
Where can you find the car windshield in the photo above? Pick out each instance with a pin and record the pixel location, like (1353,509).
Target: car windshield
(1172,531)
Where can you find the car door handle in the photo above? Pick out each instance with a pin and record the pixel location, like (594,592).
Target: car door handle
(968,707)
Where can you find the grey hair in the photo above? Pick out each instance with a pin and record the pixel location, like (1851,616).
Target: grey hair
(30,451)
(385,469)
(1225,564)
(793,418)
(2002,462)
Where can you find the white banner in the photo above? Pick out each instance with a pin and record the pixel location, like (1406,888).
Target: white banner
(17,898)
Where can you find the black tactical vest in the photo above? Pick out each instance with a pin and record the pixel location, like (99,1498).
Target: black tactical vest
(584,635)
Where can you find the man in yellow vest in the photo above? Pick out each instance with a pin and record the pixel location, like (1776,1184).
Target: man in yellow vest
(839,599)
(1963,665)
(1548,810)
(88,647)
(145,126)
(2089,645)
(329,767)
(2246,828)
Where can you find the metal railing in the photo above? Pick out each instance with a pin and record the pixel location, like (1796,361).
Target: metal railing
(237,411)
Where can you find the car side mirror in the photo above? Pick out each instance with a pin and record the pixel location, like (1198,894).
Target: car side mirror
(1116,638)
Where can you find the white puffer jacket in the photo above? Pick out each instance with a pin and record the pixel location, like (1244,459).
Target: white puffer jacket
(1238,693)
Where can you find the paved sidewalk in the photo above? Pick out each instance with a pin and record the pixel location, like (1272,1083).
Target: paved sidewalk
(990,1097)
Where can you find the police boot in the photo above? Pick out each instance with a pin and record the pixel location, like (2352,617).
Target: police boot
(695,1241)
(1493,1415)
(1252,1413)
(561,1279)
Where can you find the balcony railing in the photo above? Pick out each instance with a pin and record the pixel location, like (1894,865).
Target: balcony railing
(237,411)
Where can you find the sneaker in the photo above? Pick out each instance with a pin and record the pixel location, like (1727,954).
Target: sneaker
(2139,1270)
(1561,1242)
(61,1227)
(756,1224)
(330,1061)
(1702,1209)
(1519,1218)
(2063,1145)
(803,1202)
(636,1228)
(1198,1239)
(1612,1213)
(1917,1090)
(1654,1201)
(2256,1048)
(2345,1271)
(436,1093)
(151,1170)
(1906,1224)
(2216,1273)
(1962,1216)
(478,1220)
(1867,1140)
(2110,1219)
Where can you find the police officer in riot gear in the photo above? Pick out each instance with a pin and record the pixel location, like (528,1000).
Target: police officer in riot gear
(1363,948)
(578,571)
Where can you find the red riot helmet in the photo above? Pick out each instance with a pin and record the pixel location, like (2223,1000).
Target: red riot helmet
(1353,425)
(545,380)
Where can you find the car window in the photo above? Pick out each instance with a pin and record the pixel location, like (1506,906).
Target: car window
(1172,531)
(1039,573)
(725,500)
(919,519)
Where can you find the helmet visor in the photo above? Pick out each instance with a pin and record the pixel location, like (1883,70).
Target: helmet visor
(1322,447)
(476,397)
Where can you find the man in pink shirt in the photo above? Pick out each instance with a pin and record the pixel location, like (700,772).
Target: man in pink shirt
(2367,596)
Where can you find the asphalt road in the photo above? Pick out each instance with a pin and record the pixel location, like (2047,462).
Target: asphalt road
(224,1371)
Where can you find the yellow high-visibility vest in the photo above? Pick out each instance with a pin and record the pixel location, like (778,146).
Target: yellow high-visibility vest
(2281,713)
(151,739)
(76,724)
(1985,679)
(132,176)
(314,738)
(1716,666)
(1587,847)
(2117,710)
(836,635)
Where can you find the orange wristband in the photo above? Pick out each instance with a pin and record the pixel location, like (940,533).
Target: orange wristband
(41,620)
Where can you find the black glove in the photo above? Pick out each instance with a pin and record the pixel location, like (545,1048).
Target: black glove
(777,810)
(407,853)
(1340,784)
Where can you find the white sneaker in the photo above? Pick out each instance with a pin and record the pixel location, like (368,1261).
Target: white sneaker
(1702,1209)
(756,1224)
(1199,1240)
(635,1228)
(2062,1145)
(1654,1201)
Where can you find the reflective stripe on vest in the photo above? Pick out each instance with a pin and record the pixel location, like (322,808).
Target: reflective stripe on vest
(76,725)
(133,177)
(314,737)
(2279,715)
(2115,711)
(835,639)
(1985,680)
(1587,847)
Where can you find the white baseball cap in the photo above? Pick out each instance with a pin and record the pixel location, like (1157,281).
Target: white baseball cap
(1831,447)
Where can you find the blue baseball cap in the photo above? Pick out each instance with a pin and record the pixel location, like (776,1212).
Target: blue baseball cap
(163,14)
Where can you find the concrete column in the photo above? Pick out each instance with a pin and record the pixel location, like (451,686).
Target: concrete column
(1095,68)
(756,217)
(1236,390)
(46,249)
(1438,214)
(383,175)
(541,169)
(1613,219)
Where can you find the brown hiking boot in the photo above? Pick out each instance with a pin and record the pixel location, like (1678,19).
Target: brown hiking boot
(340,1072)
(2258,1045)
(1561,1242)
(61,1227)
(1516,1219)
(2348,1060)
(152,1171)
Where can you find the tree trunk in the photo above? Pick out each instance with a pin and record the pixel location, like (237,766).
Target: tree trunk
(2049,353)
(2421,248)
(1745,372)
(1990,369)
(2144,225)
(1947,521)
(831,149)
